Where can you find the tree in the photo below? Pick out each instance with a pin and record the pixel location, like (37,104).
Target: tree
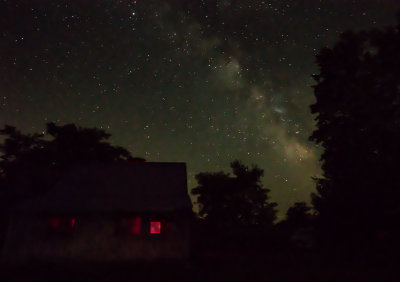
(358,125)
(298,215)
(240,200)
(31,163)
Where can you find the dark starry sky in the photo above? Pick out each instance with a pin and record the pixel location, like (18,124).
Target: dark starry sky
(203,82)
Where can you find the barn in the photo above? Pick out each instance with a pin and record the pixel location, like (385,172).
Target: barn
(105,213)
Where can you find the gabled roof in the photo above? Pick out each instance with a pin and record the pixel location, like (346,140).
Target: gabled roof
(120,187)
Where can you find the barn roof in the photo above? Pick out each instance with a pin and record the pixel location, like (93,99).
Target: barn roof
(120,187)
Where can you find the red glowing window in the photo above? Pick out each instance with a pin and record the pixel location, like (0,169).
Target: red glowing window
(155,227)
(135,225)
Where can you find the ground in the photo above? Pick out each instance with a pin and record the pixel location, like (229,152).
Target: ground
(287,266)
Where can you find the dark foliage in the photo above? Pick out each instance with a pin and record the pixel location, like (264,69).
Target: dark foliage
(298,215)
(30,163)
(299,219)
(240,200)
(358,125)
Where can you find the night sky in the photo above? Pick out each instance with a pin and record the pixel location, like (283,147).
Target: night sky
(201,82)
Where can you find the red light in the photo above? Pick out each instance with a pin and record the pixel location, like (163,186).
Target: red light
(73,222)
(135,225)
(155,227)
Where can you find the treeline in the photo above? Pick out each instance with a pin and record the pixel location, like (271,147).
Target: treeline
(31,164)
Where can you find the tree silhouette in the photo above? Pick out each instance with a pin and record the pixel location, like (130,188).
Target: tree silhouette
(358,125)
(298,215)
(240,200)
(30,163)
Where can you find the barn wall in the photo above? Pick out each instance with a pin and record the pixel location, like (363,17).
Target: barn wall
(94,239)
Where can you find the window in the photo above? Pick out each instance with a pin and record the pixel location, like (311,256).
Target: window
(135,225)
(131,226)
(139,225)
(155,227)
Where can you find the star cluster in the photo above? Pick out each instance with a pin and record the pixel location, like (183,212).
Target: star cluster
(203,82)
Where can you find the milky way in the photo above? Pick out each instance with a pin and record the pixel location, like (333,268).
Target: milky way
(203,82)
